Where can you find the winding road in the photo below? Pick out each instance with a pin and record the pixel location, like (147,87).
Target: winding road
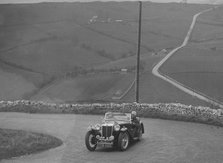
(164,141)
(177,84)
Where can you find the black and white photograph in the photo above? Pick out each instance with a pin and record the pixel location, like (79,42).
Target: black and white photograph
(111,81)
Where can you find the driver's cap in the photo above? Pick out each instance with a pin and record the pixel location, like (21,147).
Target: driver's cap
(134,113)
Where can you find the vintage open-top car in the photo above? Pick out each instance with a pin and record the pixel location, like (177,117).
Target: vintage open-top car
(117,129)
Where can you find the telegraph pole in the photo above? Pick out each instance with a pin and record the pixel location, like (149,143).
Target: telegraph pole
(138,53)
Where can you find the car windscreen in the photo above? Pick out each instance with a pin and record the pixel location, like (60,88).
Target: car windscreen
(117,117)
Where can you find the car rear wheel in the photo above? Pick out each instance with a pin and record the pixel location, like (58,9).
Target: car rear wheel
(140,134)
(123,141)
(90,141)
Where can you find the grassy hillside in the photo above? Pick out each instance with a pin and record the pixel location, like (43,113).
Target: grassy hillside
(199,65)
(91,88)
(104,87)
(154,90)
(13,86)
(43,43)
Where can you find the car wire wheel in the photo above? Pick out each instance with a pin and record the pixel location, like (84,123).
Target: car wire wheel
(90,141)
(123,141)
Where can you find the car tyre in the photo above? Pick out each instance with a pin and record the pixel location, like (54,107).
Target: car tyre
(123,141)
(90,141)
(140,134)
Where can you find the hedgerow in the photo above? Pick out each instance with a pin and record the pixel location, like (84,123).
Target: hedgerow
(172,111)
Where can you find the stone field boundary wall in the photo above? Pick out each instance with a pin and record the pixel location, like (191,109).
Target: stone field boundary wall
(171,111)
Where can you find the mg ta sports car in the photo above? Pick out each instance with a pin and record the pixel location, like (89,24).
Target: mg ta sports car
(116,130)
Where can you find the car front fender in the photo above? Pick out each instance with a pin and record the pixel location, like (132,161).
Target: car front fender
(96,132)
(142,127)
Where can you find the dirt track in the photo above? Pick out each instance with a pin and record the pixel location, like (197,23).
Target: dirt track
(164,141)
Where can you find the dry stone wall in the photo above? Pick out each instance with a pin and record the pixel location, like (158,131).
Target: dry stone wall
(173,111)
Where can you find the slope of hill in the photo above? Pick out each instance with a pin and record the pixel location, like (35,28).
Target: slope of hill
(199,65)
(47,41)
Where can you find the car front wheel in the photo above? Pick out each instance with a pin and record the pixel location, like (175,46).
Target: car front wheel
(123,141)
(90,141)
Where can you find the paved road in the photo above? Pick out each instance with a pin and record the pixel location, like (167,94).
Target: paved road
(182,87)
(164,141)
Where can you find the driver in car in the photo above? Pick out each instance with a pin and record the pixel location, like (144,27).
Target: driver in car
(135,120)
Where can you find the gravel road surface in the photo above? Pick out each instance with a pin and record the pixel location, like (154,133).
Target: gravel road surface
(164,141)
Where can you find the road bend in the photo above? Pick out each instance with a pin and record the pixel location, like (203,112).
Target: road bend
(177,84)
(164,141)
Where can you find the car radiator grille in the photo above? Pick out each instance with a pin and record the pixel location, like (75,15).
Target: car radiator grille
(106,131)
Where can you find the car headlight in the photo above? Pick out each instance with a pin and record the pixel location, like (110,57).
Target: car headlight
(123,129)
(117,127)
(97,127)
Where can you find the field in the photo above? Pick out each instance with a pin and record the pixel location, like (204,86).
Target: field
(65,52)
(91,88)
(199,65)
(13,90)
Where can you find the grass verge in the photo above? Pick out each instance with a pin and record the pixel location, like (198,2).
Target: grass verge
(14,143)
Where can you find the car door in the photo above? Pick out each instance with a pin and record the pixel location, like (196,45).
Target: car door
(134,128)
